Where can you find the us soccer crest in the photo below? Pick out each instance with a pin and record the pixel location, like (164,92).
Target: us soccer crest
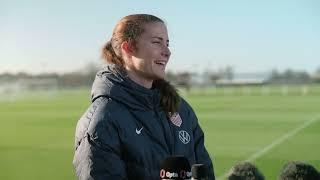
(176,119)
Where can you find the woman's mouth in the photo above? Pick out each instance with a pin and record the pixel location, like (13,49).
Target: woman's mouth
(161,63)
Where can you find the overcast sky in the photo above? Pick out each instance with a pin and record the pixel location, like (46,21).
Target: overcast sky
(250,35)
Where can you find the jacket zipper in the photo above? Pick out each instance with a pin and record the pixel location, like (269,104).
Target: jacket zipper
(168,137)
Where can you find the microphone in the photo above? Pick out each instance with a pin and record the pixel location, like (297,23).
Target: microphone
(200,172)
(175,168)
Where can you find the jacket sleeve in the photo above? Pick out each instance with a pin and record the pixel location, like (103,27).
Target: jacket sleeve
(202,155)
(98,152)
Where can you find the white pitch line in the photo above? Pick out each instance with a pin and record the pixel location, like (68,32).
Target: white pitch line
(275,143)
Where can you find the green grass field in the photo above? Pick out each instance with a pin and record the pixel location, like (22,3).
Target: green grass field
(269,127)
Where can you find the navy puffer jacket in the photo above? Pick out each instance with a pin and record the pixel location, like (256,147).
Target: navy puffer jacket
(125,134)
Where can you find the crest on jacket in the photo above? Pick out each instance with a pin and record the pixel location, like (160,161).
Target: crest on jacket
(184,137)
(176,119)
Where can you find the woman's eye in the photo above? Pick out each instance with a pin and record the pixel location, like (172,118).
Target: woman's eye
(160,43)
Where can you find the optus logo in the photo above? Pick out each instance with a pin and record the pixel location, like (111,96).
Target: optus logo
(167,174)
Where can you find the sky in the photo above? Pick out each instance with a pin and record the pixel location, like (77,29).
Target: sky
(39,36)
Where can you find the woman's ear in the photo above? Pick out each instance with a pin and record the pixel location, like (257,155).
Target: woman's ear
(126,48)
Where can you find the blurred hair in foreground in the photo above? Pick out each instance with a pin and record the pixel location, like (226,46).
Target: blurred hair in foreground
(297,170)
(245,171)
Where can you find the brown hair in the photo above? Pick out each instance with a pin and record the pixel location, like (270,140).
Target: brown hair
(246,171)
(298,170)
(128,29)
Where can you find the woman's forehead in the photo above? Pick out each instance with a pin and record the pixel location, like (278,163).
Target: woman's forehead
(155,30)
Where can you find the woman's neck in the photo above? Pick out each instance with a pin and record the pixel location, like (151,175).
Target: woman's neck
(134,76)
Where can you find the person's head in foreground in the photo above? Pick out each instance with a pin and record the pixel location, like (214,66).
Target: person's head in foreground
(297,170)
(245,171)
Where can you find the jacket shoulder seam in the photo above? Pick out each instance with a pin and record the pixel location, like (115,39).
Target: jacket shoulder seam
(92,111)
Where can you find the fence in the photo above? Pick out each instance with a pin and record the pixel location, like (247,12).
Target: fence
(263,90)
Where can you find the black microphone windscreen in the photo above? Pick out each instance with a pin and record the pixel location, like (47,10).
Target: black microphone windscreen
(200,171)
(175,168)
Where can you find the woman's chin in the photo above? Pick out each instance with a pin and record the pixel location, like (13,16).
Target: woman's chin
(160,75)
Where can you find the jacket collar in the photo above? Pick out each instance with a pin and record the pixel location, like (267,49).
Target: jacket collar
(112,81)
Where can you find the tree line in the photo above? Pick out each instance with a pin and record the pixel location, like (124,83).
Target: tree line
(85,77)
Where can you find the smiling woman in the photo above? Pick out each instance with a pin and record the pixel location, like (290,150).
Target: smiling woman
(148,61)
(136,118)
(143,52)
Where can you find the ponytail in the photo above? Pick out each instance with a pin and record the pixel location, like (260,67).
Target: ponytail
(110,56)
(170,98)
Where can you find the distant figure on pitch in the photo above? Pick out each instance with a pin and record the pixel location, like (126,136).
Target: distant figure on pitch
(245,171)
(296,170)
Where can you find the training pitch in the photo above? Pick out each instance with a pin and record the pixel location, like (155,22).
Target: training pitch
(268,126)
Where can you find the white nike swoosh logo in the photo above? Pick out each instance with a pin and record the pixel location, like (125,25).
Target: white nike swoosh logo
(139,131)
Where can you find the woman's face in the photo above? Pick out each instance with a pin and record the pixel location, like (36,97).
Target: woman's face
(149,59)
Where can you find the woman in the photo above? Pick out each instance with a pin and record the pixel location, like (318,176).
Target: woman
(136,118)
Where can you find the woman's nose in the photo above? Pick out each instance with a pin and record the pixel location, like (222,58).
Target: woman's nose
(166,52)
